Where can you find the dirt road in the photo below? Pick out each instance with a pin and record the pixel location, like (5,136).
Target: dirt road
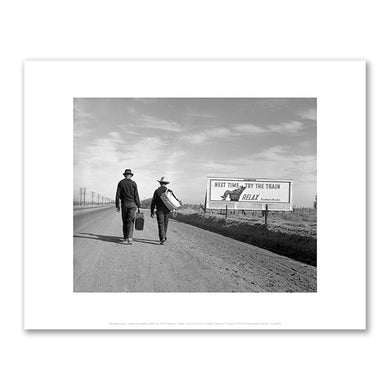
(192,260)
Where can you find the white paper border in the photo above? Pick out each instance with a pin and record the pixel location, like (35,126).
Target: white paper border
(339,87)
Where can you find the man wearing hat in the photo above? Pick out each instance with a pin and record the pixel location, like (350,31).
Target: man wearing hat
(162,210)
(127,193)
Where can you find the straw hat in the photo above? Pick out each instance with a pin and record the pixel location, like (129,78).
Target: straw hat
(163,180)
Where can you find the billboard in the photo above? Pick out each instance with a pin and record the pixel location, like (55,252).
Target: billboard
(249,194)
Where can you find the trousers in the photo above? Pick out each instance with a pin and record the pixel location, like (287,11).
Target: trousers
(162,222)
(128,218)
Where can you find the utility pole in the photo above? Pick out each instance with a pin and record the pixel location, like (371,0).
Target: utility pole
(98,199)
(92,196)
(85,192)
(81,196)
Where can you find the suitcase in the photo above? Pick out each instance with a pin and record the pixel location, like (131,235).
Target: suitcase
(139,221)
(170,200)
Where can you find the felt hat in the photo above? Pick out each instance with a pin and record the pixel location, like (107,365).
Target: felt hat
(128,172)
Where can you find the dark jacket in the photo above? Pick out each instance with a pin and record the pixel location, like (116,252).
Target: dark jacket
(127,192)
(157,202)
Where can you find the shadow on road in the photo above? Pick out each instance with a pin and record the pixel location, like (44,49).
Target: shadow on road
(100,237)
(146,241)
(114,239)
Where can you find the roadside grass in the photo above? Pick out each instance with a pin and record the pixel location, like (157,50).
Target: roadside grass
(300,247)
(302,221)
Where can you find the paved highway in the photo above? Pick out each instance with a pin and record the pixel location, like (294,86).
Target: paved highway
(192,260)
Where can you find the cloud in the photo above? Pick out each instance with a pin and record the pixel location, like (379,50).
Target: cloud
(147,152)
(310,114)
(99,164)
(247,128)
(99,152)
(114,135)
(212,167)
(79,112)
(201,115)
(277,162)
(273,162)
(284,128)
(151,122)
(143,121)
(160,145)
(143,100)
(287,128)
(82,120)
(81,132)
(128,129)
(206,135)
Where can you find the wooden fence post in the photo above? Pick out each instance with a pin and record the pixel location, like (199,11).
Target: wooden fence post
(203,208)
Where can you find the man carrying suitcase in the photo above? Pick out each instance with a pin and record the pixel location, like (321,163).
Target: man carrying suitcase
(162,210)
(127,193)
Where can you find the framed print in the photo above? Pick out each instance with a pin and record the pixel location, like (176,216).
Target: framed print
(195,195)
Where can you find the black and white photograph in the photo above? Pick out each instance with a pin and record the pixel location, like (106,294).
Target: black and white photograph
(195,195)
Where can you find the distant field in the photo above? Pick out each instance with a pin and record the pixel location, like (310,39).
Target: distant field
(301,221)
(292,234)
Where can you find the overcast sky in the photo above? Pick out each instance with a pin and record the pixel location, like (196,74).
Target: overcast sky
(188,139)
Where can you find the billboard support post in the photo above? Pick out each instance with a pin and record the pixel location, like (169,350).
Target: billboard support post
(266,215)
(226,212)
